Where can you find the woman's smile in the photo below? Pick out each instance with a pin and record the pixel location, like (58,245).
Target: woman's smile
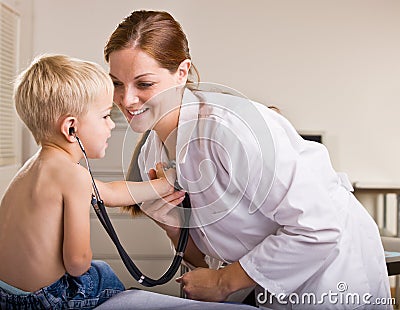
(135,114)
(138,112)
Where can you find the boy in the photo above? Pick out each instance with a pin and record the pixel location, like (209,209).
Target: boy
(45,258)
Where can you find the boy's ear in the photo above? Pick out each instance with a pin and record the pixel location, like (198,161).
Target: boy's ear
(68,128)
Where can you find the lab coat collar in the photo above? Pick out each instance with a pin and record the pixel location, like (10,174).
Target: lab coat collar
(187,122)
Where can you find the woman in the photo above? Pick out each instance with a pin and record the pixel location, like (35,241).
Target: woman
(264,201)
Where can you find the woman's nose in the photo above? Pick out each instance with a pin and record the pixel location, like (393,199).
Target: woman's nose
(126,98)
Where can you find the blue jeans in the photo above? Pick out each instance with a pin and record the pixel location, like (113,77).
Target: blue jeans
(89,290)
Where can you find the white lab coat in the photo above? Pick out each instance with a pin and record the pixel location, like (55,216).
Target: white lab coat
(263,196)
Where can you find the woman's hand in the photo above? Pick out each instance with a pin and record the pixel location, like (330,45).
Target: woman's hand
(204,284)
(215,285)
(164,211)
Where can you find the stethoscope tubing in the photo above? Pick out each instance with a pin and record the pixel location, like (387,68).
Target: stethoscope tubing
(100,210)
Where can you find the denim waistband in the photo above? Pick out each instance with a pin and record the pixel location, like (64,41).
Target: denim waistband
(12,289)
(87,291)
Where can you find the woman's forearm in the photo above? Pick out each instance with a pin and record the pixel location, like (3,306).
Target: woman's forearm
(234,278)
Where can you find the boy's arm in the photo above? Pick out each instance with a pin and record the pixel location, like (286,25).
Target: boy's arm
(125,193)
(77,253)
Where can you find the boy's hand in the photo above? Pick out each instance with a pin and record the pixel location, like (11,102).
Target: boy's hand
(169,174)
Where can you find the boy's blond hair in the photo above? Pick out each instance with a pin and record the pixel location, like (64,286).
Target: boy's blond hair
(54,86)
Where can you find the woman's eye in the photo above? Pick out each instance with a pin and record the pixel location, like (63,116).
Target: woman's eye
(117,84)
(145,84)
(107,116)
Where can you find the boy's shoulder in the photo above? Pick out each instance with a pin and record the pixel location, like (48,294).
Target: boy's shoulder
(74,175)
(70,176)
(63,166)
(47,179)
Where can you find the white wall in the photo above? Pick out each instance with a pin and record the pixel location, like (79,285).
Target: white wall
(331,66)
(24,9)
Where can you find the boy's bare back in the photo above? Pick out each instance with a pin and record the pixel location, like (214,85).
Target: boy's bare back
(45,213)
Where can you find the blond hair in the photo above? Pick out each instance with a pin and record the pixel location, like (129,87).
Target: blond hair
(54,86)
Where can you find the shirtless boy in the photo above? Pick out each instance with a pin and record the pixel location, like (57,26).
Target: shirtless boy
(46,258)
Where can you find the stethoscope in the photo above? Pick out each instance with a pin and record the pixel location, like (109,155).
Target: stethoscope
(99,208)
